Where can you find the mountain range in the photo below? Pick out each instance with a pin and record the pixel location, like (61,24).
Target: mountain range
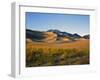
(52,35)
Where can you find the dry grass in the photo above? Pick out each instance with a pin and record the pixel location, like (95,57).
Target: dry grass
(52,54)
(81,44)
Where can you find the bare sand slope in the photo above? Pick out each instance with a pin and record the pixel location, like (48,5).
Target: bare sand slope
(79,44)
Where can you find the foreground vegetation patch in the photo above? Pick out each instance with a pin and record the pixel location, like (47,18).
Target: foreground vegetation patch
(54,56)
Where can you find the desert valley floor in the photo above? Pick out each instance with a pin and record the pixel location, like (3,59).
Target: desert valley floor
(53,54)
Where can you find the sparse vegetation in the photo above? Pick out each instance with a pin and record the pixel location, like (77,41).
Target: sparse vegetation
(55,56)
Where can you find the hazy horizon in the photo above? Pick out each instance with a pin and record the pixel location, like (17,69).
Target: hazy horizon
(71,23)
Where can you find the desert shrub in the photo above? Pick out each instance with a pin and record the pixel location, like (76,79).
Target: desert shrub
(54,56)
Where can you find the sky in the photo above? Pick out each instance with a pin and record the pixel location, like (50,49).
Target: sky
(72,23)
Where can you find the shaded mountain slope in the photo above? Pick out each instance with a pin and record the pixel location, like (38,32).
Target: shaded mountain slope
(39,36)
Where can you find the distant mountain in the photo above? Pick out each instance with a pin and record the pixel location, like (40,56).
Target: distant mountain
(52,35)
(54,30)
(58,32)
(86,36)
(65,34)
(34,34)
(76,35)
